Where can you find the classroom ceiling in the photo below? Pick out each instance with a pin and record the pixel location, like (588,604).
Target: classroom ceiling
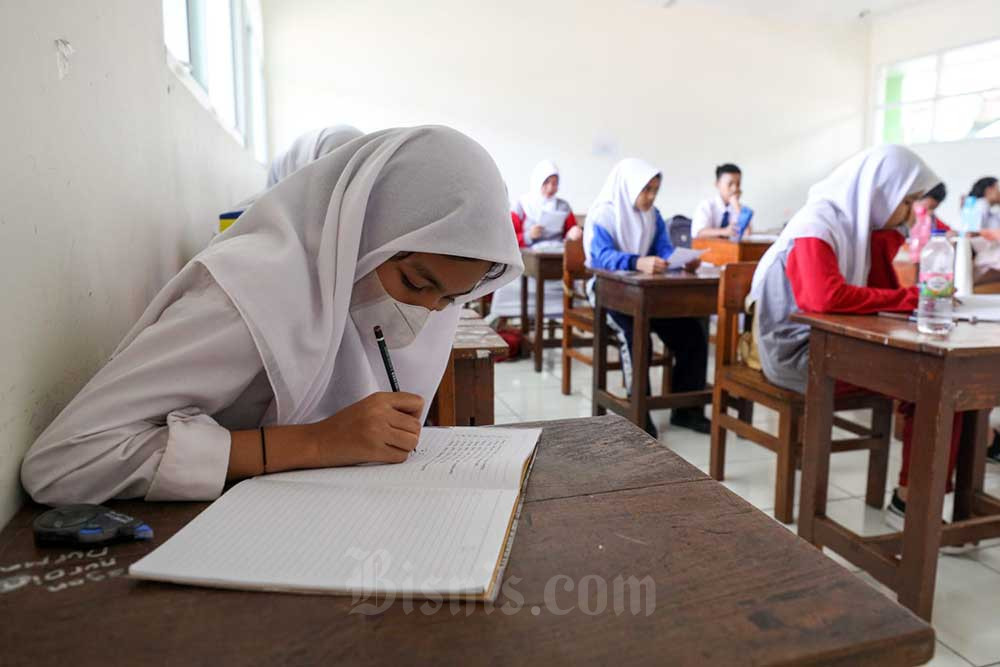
(811,10)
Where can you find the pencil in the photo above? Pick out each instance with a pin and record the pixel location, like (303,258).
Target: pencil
(389,370)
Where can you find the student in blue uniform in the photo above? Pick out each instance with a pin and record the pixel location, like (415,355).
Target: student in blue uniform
(624,231)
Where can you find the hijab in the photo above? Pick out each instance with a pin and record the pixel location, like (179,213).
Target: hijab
(614,209)
(845,208)
(310,147)
(535,204)
(290,265)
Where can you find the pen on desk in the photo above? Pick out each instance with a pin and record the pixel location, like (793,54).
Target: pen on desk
(389,370)
(899,316)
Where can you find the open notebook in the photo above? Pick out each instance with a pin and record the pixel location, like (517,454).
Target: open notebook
(438,525)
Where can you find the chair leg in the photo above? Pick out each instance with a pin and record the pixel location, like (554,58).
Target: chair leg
(668,371)
(717,452)
(784,490)
(567,362)
(878,457)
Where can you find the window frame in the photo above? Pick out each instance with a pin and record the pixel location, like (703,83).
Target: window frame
(878,110)
(193,72)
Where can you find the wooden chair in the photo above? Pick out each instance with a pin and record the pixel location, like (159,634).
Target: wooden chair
(580,318)
(735,381)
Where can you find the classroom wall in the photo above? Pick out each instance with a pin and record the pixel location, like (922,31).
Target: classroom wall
(111,177)
(924,29)
(584,82)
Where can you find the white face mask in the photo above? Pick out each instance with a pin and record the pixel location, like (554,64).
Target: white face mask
(372,306)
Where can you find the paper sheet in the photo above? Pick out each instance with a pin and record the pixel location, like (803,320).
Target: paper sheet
(364,531)
(682,256)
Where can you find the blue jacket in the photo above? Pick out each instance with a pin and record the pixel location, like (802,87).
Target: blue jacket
(604,253)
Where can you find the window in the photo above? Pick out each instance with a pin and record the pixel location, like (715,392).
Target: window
(219,43)
(947,96)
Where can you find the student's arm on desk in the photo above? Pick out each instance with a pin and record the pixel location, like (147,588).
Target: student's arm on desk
(819,287)
(143,426)
(382,428)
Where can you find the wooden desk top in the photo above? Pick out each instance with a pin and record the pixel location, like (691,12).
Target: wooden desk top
(732,587)
(965,340)
(474,336)
(542,254)
(704,276)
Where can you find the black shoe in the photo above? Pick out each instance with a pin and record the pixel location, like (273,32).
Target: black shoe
(895,517)
(895,511)
(691,419)
(650,428)
(993,453)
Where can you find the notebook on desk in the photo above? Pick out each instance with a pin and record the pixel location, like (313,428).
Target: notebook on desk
(438,525)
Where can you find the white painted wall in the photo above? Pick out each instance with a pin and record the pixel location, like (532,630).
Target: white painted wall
(924,29)
(584,82)
(110,179)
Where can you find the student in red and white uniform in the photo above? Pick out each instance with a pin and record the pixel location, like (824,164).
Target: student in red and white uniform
(835,256)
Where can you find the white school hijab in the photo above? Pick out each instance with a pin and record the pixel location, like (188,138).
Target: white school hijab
(533,202)
(631,229)
(848,205)
(310,147)
(291,264)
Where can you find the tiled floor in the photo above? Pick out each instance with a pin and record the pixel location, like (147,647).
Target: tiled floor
(967,600)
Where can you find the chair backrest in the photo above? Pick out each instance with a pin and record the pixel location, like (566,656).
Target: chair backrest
(679,230)
(574,268)
(734,285)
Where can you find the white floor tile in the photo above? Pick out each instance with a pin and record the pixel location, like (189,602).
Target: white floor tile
(945,657)
(754,481)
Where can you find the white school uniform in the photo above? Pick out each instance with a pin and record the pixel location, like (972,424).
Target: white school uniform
(257,329)
(551,214)
(709,214)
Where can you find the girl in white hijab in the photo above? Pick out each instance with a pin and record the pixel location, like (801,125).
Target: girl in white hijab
(310,147)
(835,256)
(625,232)
(541,216)
(259,356)
(540,219)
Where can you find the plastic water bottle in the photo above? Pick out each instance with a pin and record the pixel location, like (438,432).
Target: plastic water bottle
(937,286)
(920,233)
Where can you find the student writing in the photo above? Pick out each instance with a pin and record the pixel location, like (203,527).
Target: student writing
(271,326)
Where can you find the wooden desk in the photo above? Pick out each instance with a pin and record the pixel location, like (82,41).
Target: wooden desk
(732,587)
(942,376)
(465,395)
(541,266)
(645,297)
(724,251)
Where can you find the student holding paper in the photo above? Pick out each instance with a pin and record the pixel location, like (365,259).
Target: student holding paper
(260,355)
(835,256)
(723,215)
(541,216)
(540,219)
(626,232)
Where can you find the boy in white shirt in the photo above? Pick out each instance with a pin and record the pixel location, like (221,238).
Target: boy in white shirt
(722,216)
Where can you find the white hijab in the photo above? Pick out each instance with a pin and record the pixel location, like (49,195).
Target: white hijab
(310,147)
(849,204)
(290,265)
(533,202)
(631,229)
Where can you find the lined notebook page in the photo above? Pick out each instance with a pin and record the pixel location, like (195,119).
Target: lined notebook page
(362,532)
(445,457)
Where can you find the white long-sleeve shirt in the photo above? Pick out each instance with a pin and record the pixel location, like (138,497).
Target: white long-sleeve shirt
(154,422)
(709,214)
